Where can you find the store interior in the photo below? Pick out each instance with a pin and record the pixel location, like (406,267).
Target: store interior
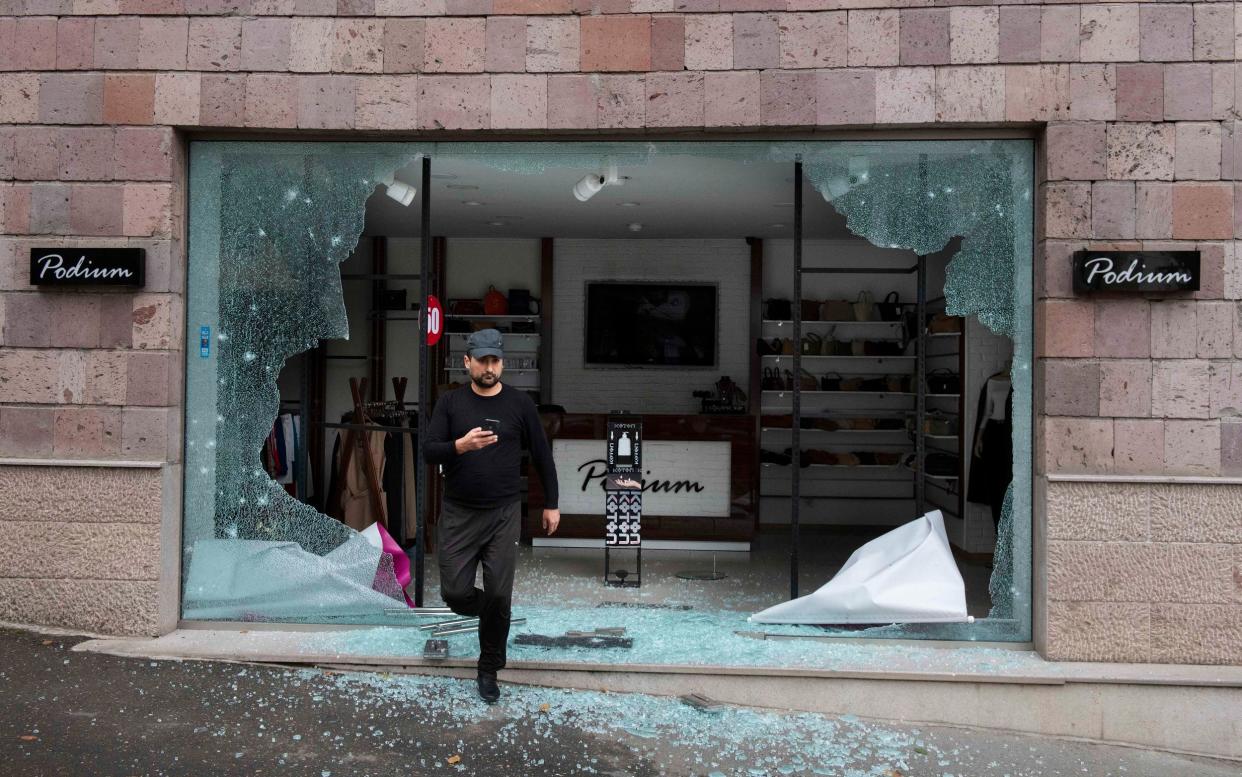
(719,232)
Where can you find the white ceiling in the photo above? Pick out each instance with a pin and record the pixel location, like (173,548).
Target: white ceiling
(675,196)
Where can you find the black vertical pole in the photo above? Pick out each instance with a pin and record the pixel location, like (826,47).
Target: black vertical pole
(920,408)
(424,382)
(796,437)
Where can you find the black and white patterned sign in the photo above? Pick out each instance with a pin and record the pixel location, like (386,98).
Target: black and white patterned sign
(623,515)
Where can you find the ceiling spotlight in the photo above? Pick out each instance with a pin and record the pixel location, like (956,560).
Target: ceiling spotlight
(400,192)
(592,183)
(497,223)
(635,227)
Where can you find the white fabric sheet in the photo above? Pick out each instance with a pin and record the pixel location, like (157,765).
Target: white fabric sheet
(905,576)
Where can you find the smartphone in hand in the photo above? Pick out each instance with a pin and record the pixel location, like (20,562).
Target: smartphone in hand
(490,425)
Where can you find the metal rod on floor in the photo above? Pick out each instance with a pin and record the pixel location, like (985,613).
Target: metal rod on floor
(447,624)
(469,628)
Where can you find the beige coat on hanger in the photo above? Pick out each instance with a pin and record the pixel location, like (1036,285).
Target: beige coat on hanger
(355,499)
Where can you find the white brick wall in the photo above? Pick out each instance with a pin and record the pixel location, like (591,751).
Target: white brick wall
(654,390)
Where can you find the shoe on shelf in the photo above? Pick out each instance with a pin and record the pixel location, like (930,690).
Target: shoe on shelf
(489,691)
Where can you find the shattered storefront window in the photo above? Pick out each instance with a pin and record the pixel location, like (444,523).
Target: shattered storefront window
(269,225)
(920,196)
(272,222)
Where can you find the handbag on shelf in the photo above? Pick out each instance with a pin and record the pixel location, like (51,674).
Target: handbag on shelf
(812,344)
(816,456)
(521,303)
(494,303)
(772,457)
(890,308)
(466,307)
(789,380)
(827,343)
(771,380)
(883,348)
(778,310)
(898,384)
(810,310)
(943,381)
(787,346)
(807,381)
(939,424)
(830,382)
(943,323)
(836,310)
(864,306)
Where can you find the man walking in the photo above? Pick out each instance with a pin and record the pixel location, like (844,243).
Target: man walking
(477,433)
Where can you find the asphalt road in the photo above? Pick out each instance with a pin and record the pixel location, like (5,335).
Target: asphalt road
(87,715)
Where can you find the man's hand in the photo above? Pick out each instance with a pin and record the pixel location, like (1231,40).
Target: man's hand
(551,520)
(474,439)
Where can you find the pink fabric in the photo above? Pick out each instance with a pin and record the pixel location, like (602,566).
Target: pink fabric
(400,561)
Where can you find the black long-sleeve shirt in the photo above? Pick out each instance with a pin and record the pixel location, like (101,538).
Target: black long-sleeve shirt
(491,476)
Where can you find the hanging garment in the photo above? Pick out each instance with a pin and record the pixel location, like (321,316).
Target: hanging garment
(991,461)
(332,504)
(355,490)
(287,443)
(411,462)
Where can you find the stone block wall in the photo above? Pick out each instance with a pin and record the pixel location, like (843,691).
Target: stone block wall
(1136,105)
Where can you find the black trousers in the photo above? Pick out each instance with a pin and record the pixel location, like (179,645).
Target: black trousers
(468,536)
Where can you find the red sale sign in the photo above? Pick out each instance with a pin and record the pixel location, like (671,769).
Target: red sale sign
(435,320)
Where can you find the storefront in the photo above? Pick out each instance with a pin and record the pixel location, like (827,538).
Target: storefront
(653,286)
(286,170)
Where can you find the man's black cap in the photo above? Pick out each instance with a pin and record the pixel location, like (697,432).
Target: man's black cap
(485,342)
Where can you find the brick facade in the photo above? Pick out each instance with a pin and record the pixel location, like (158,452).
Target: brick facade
(1137,106)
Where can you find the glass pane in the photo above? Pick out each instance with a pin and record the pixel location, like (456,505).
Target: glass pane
(269,224)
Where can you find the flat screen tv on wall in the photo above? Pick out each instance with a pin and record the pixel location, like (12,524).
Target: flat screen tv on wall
(651,324)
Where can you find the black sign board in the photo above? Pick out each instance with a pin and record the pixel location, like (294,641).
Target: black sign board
(88,266)
(623,513)
(1136,271)
(625,453)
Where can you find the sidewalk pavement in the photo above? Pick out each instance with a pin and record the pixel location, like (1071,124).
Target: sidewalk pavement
(92,715)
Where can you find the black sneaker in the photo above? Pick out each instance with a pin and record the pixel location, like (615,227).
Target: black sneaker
(489,691)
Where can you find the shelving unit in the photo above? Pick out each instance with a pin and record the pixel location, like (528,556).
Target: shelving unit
(518,345)
(844,481)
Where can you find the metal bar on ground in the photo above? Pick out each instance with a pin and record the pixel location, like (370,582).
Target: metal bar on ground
(469,628)
(447,624)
